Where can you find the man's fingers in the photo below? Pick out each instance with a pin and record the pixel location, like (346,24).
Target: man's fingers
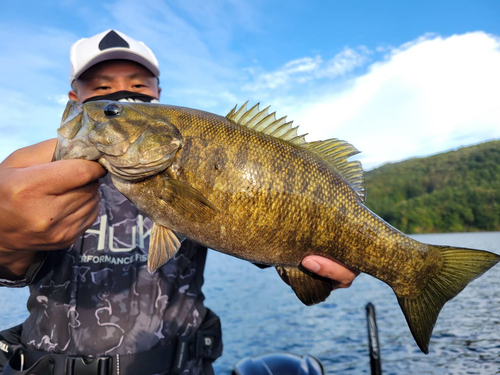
(330,269)
(86,216)
(76,199)
(91,218)
(68,175)
(66,231)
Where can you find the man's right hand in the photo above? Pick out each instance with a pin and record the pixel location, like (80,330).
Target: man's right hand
(44,205)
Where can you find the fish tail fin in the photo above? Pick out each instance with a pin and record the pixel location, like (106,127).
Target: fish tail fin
(460,267)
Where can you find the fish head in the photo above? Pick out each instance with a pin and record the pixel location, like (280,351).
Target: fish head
(131,140)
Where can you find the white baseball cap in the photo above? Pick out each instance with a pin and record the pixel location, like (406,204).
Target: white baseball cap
(109,45)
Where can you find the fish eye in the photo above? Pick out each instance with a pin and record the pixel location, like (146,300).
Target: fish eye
(112,110)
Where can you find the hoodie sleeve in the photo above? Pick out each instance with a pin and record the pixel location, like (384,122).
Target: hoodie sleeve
(28,278)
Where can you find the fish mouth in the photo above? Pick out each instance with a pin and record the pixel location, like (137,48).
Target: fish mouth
(135,172)
(75,150)
(136,167)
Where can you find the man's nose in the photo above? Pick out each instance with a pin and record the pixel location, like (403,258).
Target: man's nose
(121,85)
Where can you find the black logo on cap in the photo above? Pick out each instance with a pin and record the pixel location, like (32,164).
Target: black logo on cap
(112,40)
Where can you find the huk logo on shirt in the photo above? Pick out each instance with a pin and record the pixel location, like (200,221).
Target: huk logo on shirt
(107,232)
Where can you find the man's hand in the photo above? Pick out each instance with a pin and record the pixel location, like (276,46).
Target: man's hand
(331,270)
(45,205)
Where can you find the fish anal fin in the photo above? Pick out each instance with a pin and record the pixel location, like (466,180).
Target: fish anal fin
(460,266)
(309,287)
(163,245)
(187,201)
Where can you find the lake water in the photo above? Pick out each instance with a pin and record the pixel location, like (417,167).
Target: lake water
(260,314)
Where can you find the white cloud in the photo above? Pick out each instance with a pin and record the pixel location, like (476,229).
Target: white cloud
(427,96)
(423,97)
(307,69)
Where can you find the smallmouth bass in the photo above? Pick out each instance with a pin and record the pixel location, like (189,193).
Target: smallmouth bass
(248,185)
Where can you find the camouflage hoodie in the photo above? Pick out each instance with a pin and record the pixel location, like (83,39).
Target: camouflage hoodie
(97,297)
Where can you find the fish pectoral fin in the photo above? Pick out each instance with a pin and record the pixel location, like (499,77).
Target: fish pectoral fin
(163,245)
(309,287)
(186,200)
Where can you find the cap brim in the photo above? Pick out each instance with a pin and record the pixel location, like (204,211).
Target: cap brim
(119,54)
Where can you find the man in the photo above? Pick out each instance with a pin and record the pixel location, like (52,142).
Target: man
(82,249)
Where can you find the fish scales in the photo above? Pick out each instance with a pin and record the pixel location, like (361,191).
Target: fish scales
(272,165)
(272,189)
(268,198)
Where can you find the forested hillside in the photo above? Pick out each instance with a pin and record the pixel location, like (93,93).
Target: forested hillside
(451,192)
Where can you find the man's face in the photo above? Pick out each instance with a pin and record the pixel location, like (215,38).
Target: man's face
(110,76)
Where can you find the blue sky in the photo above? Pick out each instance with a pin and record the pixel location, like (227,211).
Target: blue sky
(397,79)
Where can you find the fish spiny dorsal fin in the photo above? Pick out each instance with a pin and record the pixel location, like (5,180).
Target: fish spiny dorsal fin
(333,151)
(336,152)
(257,118)
(249,115)
(237,115)
(232,111)
(266,123)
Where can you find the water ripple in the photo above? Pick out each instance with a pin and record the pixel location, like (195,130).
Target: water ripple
(260,314)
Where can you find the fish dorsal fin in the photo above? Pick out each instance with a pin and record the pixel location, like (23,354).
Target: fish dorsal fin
(333,151)
(266,123)
(336,152)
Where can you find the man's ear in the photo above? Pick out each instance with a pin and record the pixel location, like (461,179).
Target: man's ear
(159,92)
(72,95)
